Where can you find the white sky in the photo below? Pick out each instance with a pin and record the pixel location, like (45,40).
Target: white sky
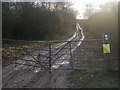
(80,5)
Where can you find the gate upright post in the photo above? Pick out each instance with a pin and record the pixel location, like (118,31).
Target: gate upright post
(49,57)
(15,58)
(71,61)
(15,61)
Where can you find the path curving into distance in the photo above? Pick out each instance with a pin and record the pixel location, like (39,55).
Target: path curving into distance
(23,76)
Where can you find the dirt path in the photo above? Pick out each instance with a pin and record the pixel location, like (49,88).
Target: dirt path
(29,77)
(21,77)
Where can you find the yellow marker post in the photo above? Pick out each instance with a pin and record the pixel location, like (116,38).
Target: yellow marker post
(106,48)
(106,51)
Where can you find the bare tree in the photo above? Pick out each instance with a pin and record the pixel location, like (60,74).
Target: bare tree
(88,11)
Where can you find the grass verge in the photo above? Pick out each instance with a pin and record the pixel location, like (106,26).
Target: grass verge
(12,52)
(93,78)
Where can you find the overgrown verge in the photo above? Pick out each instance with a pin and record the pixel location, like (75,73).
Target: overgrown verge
(12,52)
(93,78)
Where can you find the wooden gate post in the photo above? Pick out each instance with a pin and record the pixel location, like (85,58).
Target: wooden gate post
(106,51)
(50,58)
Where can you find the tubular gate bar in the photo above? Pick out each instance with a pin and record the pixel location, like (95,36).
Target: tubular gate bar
(49,56)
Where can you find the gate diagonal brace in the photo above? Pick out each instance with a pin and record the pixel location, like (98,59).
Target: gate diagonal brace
(42,62)
(59,52)
(42,66)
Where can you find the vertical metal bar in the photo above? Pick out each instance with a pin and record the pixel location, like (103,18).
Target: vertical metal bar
(71,61)
(50,58)
(15,58)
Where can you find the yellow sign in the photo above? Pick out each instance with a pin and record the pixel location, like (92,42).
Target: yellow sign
(106,48)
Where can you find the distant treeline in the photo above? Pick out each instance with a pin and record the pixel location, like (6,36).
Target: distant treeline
(105,21)
(37,21)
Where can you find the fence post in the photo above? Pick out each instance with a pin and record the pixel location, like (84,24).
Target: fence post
(71,60)
(49,57)
(106,51)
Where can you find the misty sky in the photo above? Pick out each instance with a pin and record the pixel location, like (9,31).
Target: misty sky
(80,5)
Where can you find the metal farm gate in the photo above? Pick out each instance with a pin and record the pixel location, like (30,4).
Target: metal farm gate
(63,55)
(77,52)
